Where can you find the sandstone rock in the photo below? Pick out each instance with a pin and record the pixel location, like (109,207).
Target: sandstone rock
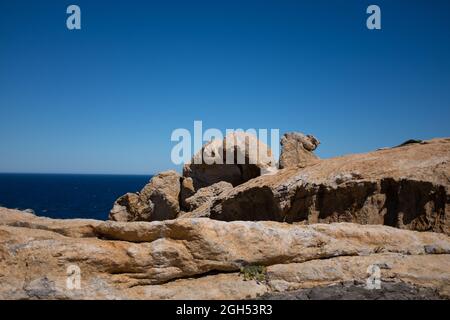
(158,200)
(249,159)
(74,228)
(198,206)
(222,286)
(207,195)
(297,150)
(174,258)
(358,291)
(187,191)
(406,187)
(130,207)
(311,274)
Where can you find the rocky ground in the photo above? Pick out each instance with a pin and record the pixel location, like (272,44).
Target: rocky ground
(316,229)
(355,291)
(202,258)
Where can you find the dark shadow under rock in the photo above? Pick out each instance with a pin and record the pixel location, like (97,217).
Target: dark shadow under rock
(352,291)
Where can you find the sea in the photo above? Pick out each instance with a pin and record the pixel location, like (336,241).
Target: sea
(67,196)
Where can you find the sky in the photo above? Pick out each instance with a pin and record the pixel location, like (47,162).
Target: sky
(106,98)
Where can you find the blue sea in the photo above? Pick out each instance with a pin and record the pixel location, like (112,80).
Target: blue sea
(67,195)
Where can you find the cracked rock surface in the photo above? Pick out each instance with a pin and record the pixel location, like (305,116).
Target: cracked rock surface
(315,230)
(196,258)
(407,187)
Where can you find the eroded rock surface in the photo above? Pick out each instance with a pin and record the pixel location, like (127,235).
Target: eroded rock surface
(248,158)
(340,212)
(203,258)
(297,150)
(358,291)
(158,200)
(206,195)
(405,187)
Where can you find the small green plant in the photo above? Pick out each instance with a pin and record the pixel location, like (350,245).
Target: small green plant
(257,273)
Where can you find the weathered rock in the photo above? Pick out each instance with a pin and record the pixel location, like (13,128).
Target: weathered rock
(187,191)
(312,274)
(297,150)
(222,286)
(174,258)
(130,207)
(158,200)
(358,291)
(207,195)
(406,187)
(74,228)
(249,158)
(198,206)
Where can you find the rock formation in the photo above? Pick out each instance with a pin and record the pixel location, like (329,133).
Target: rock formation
(405,187)
(207,195)
(297,150)
(199,205)
(248,158)
(158,200)
(315,229)
(205,258)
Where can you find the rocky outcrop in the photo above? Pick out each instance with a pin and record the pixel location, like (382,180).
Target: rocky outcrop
(205,196)
(297,150)
(236,159)
(130,207)
(327,230)
(405,187)
(158,200)
(204,258)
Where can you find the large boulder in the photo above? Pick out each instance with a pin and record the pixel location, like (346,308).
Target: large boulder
(158,200)
(209,259)
(247,158)
(297,150)
(405,187)
(130,207)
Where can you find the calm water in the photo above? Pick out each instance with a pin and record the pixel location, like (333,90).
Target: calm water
(66,196)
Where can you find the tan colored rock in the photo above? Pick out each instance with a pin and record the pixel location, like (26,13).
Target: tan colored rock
(249,157)
(74,228)
(130,207)
(422,270)
(297,150)
(207,195)
(158,200)
(222,286)
(406,187)
(174,258)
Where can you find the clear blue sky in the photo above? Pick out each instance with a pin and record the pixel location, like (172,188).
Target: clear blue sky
(105,99)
